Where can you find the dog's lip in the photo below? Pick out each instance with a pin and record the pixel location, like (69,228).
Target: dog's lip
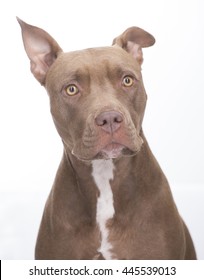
(113,146)
(112,150)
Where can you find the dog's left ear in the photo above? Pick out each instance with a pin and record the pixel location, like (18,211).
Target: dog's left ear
(133,40)
(41,49)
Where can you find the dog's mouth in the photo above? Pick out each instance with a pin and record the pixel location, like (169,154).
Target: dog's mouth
(112,150)
(109,148)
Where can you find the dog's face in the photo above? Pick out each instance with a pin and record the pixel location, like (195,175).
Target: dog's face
(97,102)
(96,95)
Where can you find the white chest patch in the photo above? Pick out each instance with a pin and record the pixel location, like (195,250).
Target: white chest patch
(102,173)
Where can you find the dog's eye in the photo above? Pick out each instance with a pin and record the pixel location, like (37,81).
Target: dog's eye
(71,90)
(128,81)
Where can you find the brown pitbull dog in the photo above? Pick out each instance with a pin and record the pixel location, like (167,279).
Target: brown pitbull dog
(110,198)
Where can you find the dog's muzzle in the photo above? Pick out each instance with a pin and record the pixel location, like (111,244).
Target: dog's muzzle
(108,134)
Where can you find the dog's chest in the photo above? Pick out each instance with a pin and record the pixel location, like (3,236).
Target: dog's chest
(102,173)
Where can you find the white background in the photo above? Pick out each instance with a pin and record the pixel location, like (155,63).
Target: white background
(30,149)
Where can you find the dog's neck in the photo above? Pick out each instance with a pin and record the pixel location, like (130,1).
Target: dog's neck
(102,183)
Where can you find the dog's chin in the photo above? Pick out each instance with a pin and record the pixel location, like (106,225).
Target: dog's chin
(114,151)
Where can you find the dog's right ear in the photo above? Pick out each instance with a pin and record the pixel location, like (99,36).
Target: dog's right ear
(41,49)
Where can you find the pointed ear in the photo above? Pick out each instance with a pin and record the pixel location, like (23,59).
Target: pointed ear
(133,40)
(41,49)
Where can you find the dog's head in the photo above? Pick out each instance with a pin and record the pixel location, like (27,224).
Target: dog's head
(97,95)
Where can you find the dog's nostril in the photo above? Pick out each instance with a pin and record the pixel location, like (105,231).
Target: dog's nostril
(104,122)
(118,119)
(109,121)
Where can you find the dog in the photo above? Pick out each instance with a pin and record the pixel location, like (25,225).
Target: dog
(110,198)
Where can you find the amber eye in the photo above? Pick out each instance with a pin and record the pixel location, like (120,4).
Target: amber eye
(128,81)
(71,90)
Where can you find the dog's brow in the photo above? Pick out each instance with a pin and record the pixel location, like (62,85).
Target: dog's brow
(120,71)
(78,75)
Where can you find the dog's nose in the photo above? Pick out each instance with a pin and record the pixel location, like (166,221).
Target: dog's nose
(109,121)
